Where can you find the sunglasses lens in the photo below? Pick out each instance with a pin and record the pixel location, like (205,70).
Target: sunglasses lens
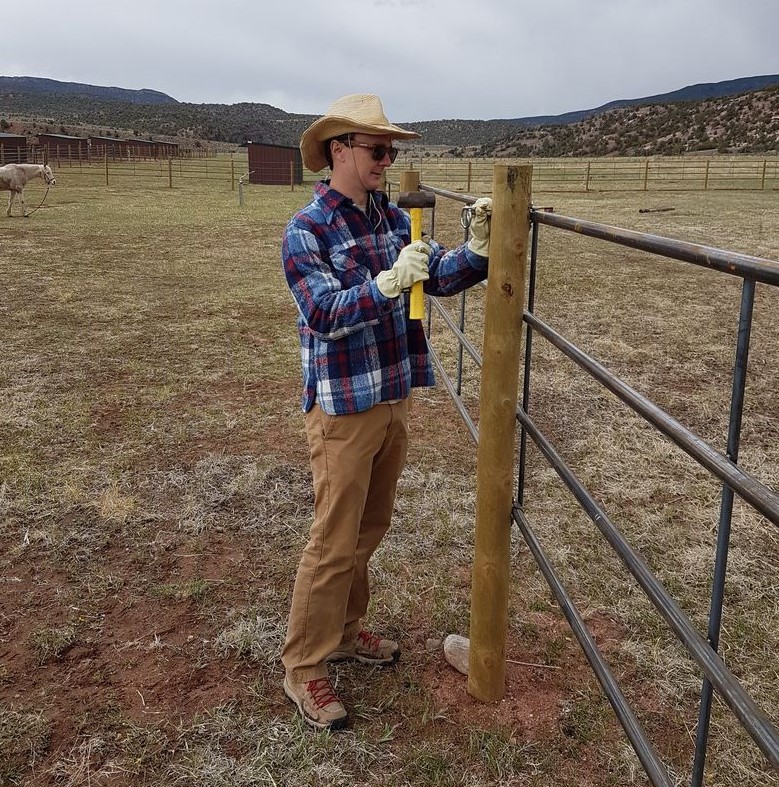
(379,151)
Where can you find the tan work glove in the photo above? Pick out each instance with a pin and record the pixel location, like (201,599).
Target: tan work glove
(410,266)
(479,242)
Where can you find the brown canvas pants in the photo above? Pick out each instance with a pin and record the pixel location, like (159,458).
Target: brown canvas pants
(356,460)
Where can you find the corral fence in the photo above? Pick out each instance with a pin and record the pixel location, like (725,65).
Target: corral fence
(500,492)
(460,175)
(87,155)
(165,172)
(608,174)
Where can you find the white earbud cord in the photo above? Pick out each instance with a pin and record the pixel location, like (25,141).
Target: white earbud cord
(371,201)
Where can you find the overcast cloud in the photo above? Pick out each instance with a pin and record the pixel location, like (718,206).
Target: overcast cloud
(427,59)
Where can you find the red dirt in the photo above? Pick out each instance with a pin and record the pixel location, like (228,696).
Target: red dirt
(150,659)
(535,692)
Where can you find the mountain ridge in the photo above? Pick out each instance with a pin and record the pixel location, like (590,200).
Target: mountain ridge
(235,124)
(697,92)
(42,85)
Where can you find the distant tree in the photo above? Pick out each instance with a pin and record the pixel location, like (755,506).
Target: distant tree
(4,124)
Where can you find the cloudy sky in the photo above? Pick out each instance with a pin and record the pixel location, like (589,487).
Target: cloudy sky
(427,59)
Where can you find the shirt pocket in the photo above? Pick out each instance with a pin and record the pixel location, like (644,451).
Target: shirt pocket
(347,265)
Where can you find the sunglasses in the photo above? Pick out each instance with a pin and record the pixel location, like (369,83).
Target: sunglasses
(378,151)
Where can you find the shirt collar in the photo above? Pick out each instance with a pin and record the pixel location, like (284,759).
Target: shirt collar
(331,200)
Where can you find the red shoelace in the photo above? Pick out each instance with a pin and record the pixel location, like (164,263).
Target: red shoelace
(371,641)
(322,692)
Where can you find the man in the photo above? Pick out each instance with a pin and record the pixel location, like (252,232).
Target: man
(348,260)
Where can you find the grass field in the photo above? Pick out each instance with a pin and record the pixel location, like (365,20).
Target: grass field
(155,496)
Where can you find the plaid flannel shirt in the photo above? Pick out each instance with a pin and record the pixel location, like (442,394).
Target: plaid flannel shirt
(358,347)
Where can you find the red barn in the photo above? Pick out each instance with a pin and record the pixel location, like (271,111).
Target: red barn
(109,147)
(167,149)
(274,164)
(63,146)
(152,148)
(141,148)
(13,149)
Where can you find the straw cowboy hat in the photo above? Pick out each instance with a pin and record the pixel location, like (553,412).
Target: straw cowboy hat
(357,113)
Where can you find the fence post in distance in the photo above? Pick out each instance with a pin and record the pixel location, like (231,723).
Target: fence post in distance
(509,237)
(409,180)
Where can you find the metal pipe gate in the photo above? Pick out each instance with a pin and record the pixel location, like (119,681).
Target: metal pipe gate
(752,271)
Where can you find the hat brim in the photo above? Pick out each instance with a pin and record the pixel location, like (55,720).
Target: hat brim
(329,126)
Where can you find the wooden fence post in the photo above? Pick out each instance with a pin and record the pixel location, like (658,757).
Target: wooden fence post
(706,176)
(762,177)
(409,181)
(105,160)
(170,172)
(505,303)
(646,173)
(587,178)
(232,173)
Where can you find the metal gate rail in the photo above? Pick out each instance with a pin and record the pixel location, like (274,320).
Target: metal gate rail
(751,270)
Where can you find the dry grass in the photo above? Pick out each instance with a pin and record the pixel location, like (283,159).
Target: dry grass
(155,495)
(670,331)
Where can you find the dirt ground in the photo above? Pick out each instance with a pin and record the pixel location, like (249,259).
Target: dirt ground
(140,659)
(155,498)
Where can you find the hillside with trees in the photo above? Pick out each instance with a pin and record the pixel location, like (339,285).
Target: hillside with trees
(717,121)
(747,123)
(232,123)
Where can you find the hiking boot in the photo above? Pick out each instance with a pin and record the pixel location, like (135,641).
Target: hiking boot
(317,702)
(368,648)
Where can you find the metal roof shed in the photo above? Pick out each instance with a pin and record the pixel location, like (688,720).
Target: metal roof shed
(61,146)
(113,147)
(279,165)
(13,148)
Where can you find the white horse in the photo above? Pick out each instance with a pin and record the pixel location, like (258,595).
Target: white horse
(14,177)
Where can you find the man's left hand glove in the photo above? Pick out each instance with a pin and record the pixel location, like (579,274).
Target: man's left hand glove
(410,267)
(479,242)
